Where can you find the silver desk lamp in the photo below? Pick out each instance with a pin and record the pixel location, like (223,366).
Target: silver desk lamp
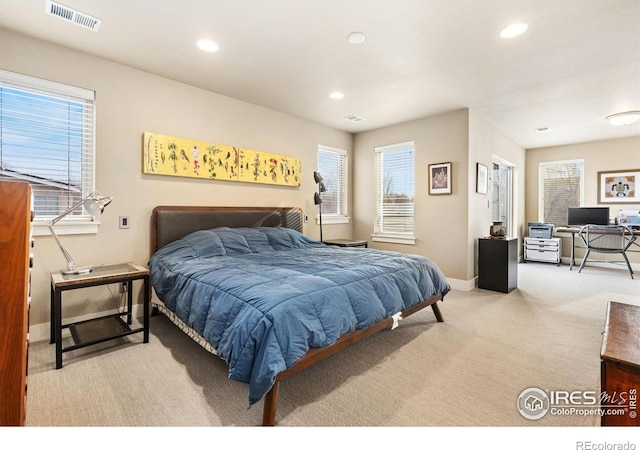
(94,204)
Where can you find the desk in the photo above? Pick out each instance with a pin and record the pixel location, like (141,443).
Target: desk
(574,231)
(100,329)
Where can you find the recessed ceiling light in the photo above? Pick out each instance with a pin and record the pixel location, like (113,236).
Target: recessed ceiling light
(356,37)
(624,118)
(336,95)
(207,45)
(513,30)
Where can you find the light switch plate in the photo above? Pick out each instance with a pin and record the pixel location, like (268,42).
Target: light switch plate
(124,222)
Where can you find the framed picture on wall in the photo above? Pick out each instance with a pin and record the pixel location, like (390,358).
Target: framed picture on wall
(482,178)
(440,178)
(618,186)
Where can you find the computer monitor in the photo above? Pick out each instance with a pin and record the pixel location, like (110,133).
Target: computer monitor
(589,215)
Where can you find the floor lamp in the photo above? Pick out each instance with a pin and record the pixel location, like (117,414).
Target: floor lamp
(94,204)
(317,199)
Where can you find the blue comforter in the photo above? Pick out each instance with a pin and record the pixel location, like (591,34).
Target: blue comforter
(262,297)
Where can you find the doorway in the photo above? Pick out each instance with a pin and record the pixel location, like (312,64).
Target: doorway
(502,193)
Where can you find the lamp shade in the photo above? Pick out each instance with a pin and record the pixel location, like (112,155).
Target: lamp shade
(317,177)
(316,198)
(95,205)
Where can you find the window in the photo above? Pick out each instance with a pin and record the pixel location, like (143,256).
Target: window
(47,139)
(332,165)
(560,187)
(394,166)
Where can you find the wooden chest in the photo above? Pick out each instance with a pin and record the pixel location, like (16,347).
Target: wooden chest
(620,365)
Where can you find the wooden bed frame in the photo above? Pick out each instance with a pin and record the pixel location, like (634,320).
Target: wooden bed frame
(173,222)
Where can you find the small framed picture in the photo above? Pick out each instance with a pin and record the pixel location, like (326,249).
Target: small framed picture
(482,178)
(440,178)
(618,186)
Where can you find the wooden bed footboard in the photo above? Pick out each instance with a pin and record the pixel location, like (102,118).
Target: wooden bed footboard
(318,354)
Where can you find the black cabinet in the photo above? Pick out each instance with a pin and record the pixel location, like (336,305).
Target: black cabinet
(498,264)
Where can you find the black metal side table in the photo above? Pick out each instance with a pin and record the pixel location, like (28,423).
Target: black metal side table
(346,243)
(103,328)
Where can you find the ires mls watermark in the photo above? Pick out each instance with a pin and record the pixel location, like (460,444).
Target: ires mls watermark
(535,403)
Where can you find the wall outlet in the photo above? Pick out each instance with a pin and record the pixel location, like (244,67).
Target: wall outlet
(124,221)
(306,219)
(123,287)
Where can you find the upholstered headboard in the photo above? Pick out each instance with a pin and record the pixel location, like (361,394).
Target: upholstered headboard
(169,223)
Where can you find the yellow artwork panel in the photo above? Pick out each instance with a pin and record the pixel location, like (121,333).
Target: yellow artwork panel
(169,155)
(269,168)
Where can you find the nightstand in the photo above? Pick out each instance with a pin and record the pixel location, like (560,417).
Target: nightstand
(346,243)
(498,264)
(104,328)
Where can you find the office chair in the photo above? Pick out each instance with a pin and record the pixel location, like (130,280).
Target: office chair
(607,239)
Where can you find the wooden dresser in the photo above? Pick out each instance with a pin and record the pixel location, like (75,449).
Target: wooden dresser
(620,365)
(15,273)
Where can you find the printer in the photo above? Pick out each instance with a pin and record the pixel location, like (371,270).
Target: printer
(540,230)
(629,217)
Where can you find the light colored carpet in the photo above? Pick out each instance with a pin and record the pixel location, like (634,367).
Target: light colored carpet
(467,371)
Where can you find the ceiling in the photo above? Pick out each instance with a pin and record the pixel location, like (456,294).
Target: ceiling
(578,62)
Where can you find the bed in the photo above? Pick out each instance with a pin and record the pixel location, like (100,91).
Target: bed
(248,286)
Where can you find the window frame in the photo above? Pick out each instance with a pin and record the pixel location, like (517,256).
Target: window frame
(342,197)
(541,185)
(381,235)
(82,223)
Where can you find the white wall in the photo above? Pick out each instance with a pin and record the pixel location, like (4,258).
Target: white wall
(447,226)
(485,144)
(440,220)
(129,102)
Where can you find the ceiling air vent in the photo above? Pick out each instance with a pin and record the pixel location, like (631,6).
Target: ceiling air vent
(73,16)
(354,118)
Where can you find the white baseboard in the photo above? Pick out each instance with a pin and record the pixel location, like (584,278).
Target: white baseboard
(463,285)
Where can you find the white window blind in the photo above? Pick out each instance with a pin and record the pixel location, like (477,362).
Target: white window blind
(47,139)
(394,166)
(560,186)
(332,165)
